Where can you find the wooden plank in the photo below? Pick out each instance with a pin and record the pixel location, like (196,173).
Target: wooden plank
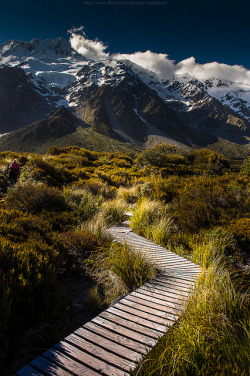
(133,318)
(152,298)
(179,281)
(175,263)
(173,285)
(126,328)
(149,319)
(178,266)
(175,281)
(28,371)
(160,287)
(105,343)
(99,352)
(153,303)
(69,364)
(163,295)
(48,367)
(85,360)
(184,277)
(117,338)
(153,312)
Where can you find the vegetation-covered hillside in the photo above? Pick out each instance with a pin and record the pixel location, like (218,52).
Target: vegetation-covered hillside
(53,231)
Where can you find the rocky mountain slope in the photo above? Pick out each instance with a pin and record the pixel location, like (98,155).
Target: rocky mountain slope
(117,98)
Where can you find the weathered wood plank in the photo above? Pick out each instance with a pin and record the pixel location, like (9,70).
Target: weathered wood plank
(117,338)
(133,316)
(88,360)
(163,296)
(178,281)
(163,301)
(149,319)
(169,289)
(162,309)
(127,328)
(71,365)
(99,352)
(153,312)
(48,367)
(28,371)
(174,285)
(175,263)
(105,343)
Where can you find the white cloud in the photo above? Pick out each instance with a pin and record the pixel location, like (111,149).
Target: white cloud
(91,49)
(235,73)
(158,62)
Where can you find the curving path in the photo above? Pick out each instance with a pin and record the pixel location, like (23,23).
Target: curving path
(114,342)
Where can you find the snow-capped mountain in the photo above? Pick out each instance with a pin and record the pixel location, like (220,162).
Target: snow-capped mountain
(117,96)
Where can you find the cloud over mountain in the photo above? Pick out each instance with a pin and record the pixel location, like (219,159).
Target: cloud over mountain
(159,62)
(91,49)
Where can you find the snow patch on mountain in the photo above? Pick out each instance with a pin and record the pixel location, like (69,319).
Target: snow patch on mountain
(60,70)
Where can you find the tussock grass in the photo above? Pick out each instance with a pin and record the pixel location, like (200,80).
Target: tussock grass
(151,220)
(113,212)
(146,213)
(215,244)
(131,267)
(129,195)
(83,202)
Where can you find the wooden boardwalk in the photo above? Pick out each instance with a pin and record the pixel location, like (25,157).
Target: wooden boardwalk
(114,342)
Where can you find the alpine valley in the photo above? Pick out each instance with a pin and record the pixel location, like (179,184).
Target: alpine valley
(52,95)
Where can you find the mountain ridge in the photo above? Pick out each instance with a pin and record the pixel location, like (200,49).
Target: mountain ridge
(117,98)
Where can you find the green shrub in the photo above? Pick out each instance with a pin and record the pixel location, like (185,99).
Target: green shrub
(45,172)
(3,185)
(35,198)
(240,228)
(206,202)
(80,243)
(100,188)
(207,161)
(245,169)
(29,292)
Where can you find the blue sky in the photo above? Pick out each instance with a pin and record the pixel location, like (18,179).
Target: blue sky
(208,30)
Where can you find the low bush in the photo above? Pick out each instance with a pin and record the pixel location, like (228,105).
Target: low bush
(245,169)
(80,243)
(240,228)
(35,198)
(29,293)
(47,173)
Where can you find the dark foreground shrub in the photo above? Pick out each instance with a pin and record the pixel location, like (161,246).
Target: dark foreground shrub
(29,294)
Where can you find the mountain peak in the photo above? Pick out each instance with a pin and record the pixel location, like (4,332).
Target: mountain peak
(58,47)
